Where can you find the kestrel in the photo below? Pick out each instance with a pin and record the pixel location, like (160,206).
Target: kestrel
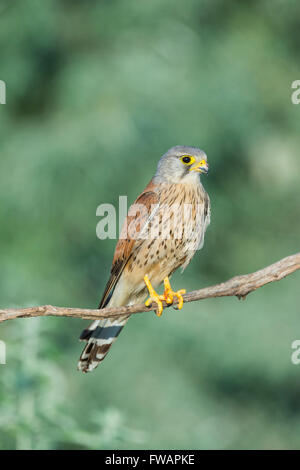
(163,229)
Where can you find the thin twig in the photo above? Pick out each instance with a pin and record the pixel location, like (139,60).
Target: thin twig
(239,286)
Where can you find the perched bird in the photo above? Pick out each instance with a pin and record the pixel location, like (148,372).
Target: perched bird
(163,229)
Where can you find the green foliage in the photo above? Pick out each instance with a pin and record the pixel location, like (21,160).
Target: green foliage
(96,92)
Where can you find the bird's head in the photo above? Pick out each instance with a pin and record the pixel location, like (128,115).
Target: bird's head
(181,164)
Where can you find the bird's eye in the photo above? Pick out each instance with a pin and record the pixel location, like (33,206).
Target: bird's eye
(187,159)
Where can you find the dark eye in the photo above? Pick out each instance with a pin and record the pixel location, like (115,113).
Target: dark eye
(187,159)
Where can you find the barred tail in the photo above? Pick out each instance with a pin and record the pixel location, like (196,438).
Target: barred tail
(100,335)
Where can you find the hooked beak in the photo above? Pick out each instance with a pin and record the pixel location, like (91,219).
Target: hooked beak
(200,167)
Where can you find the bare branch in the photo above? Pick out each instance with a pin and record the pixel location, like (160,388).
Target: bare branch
(239,286)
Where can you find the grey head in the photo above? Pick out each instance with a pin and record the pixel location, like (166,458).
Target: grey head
(181,164)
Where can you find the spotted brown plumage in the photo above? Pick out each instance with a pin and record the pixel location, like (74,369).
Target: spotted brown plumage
(163,229)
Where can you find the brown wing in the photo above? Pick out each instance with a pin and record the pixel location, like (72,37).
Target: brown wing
(125,245)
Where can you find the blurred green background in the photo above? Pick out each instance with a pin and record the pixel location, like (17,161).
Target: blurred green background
(96,92)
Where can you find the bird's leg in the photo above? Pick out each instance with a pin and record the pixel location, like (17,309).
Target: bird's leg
(169,294)
(154,297)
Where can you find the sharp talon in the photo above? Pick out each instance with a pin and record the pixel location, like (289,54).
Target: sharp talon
(169,294)
(154,297)
(179,294)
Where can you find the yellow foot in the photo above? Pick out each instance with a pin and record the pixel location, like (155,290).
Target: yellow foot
(154,297)
(168,295)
